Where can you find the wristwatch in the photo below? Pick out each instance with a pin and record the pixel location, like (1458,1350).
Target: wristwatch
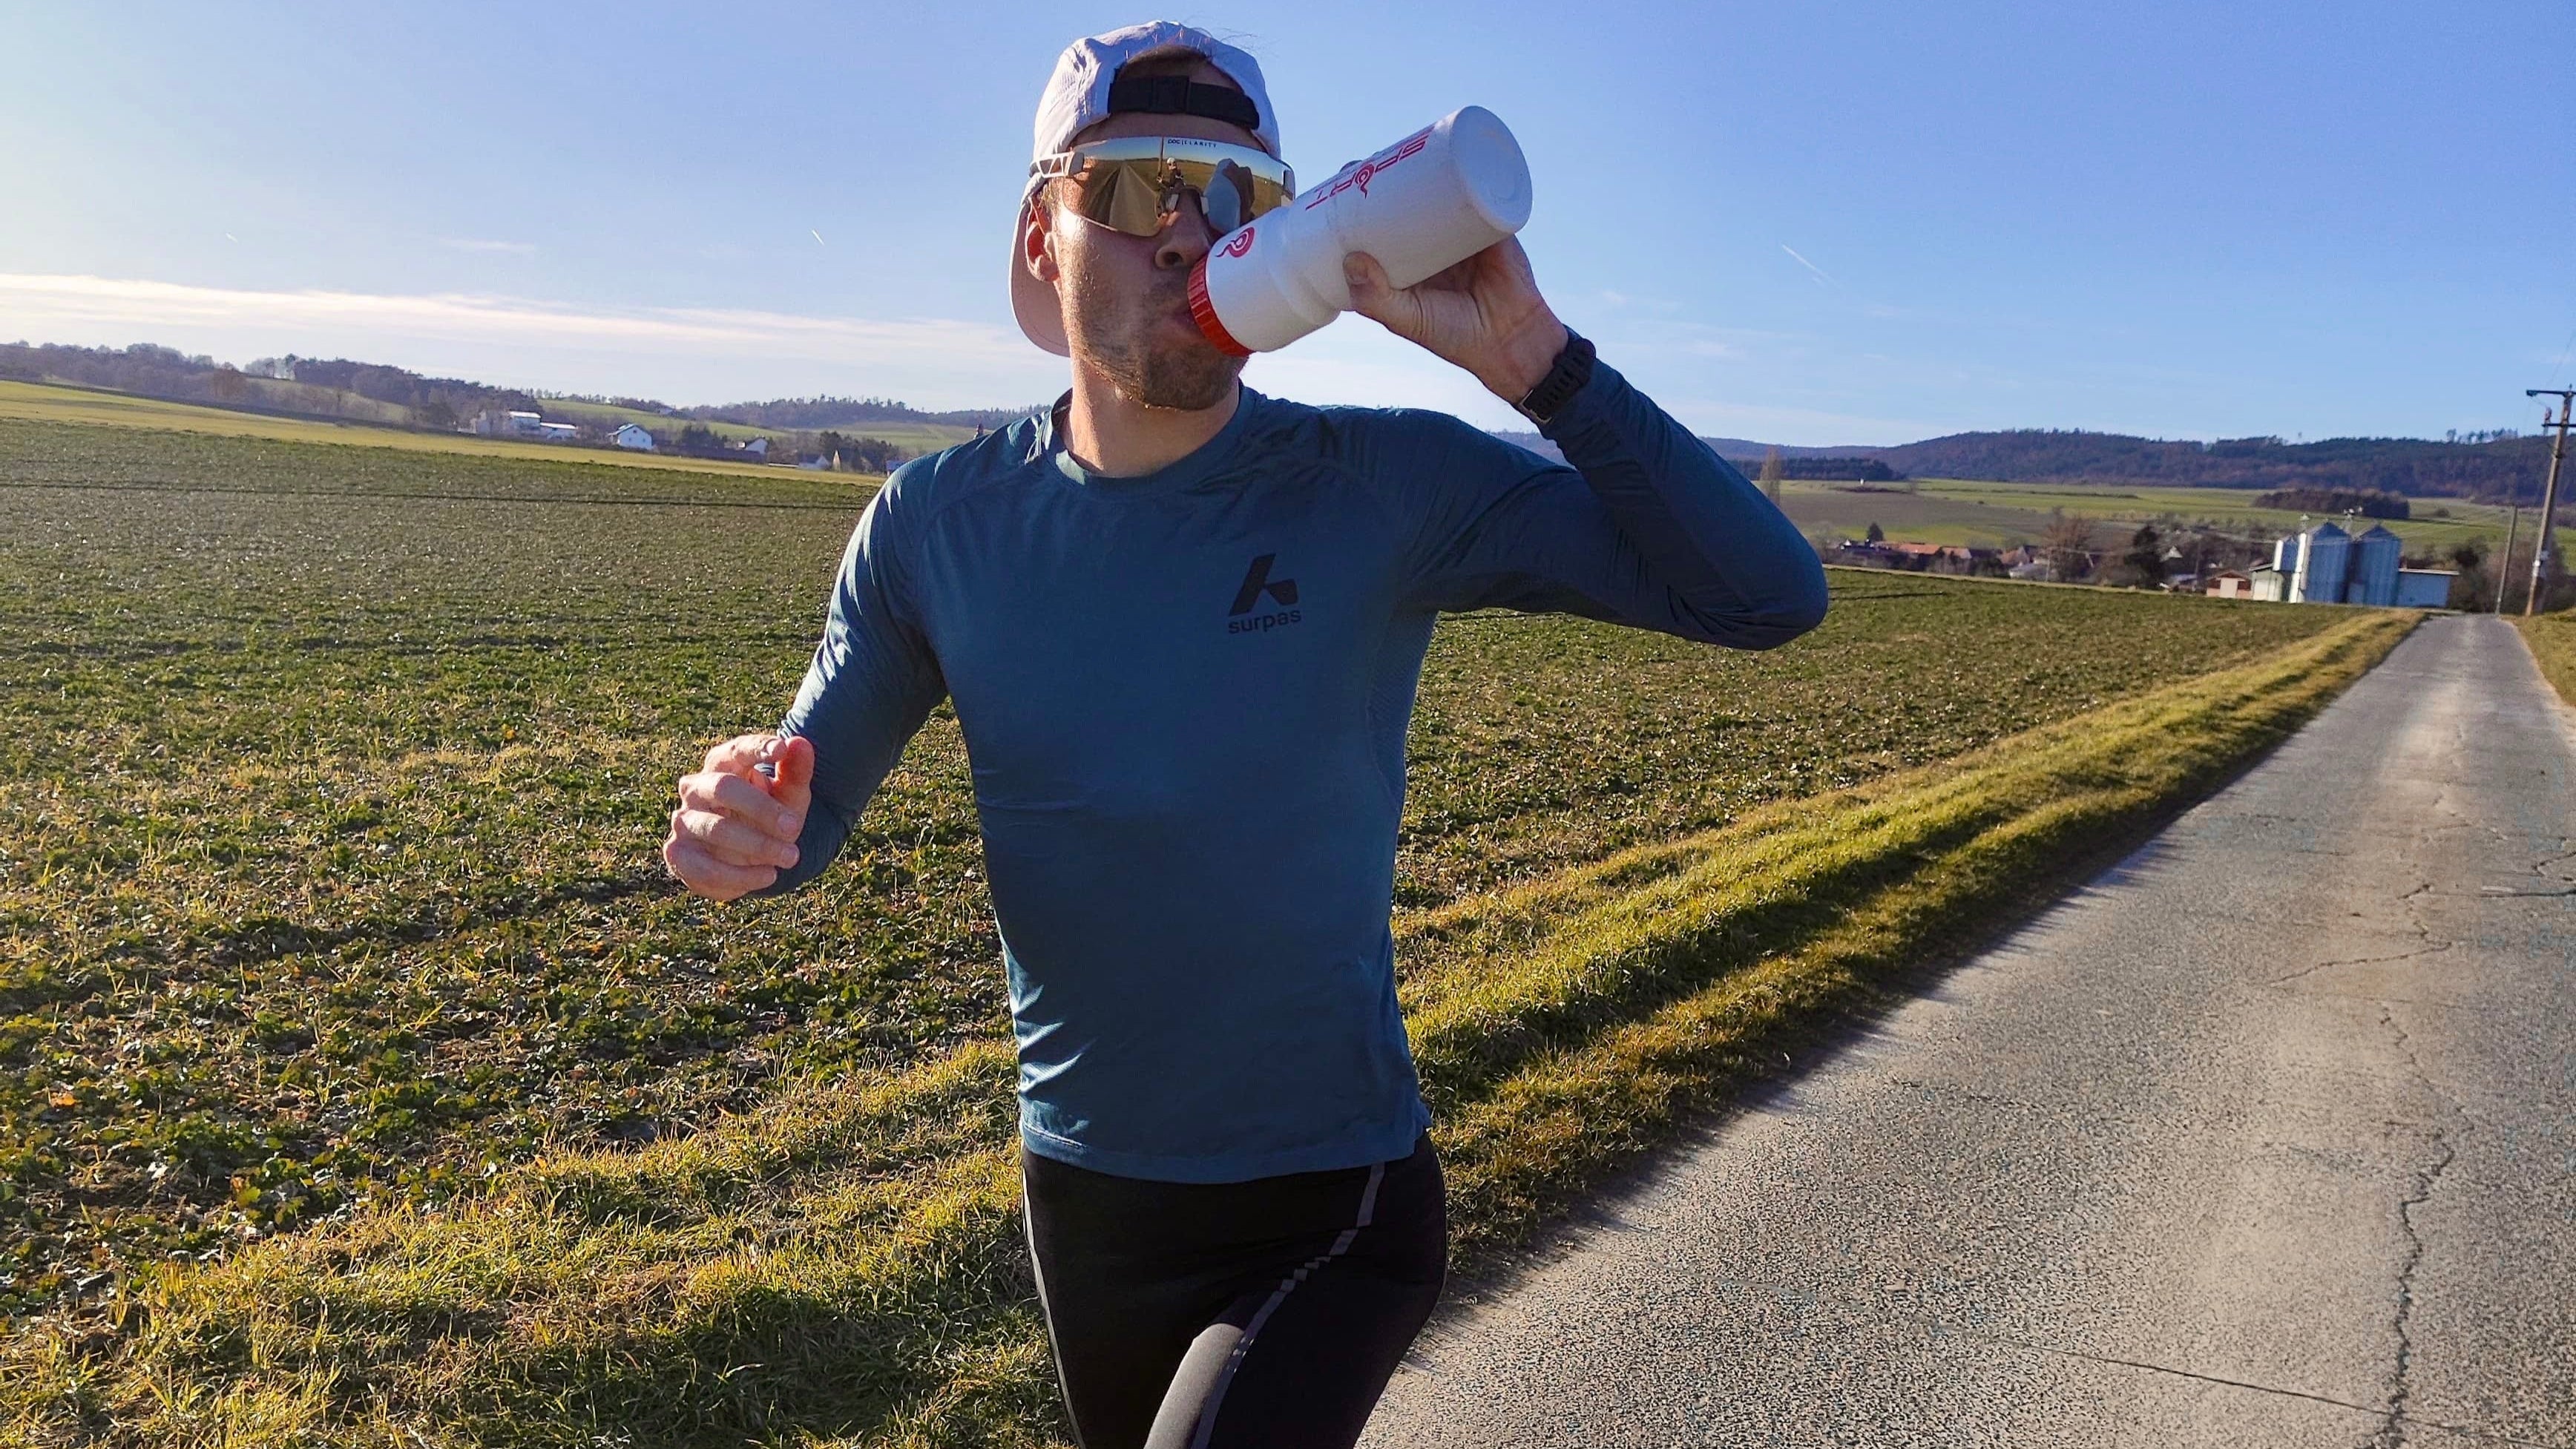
(1573,368)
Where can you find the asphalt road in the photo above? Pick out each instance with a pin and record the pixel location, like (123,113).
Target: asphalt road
(2266,1137)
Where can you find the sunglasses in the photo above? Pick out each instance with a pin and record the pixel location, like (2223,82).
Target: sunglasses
(1134,184)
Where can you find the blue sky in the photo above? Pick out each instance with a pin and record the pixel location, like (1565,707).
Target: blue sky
(1806,224)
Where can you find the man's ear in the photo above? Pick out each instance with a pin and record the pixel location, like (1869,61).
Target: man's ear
(1037,240)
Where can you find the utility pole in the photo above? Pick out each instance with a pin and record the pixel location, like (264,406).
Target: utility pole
(2549,495)
(2504,560)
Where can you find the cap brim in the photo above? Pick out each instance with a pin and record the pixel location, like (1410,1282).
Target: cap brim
(1034,302)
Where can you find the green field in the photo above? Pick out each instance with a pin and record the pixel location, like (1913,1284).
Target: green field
(1950,511)
(29,402)
(330,785)
(913,437)
(384,424)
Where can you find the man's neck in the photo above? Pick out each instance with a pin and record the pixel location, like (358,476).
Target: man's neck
(1117,438)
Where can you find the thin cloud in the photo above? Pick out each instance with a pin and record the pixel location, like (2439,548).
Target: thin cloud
(473,244)
(136,303)
(1821,278)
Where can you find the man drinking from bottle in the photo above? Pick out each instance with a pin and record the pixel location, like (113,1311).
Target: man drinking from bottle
(1181,623)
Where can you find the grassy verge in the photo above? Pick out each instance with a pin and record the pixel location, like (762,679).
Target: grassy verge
(2552,638)
(843,1265)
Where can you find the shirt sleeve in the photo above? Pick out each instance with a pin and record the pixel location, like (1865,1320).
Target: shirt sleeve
(1646,527)
(872,683)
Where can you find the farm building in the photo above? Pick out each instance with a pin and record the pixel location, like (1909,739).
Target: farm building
(495,424)
(2326,565)
(2229,584)
(557,432)
(2424,588)
(632,435)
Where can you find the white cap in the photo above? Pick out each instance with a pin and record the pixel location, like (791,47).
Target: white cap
(1077,96)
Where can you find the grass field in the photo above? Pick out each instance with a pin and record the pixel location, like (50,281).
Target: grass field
(2000,514)
(29,402)
(913,437)
(330,779)
(2552,638)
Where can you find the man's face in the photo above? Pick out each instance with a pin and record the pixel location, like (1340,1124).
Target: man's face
(1126,299)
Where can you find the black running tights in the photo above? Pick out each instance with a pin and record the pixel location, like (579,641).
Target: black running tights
(1232,1315)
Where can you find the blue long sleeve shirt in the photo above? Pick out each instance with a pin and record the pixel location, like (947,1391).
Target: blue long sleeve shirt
(1184,697)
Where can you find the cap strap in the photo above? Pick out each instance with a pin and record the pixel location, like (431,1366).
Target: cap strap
(1177,95)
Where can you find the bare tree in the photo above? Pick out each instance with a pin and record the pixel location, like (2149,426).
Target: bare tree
(2068,542)
(1771,474)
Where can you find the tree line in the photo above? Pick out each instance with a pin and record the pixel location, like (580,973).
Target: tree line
(2368,502)
(2492,469)
(1819,469)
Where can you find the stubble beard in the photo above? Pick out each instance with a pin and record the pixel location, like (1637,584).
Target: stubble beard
(1121,342)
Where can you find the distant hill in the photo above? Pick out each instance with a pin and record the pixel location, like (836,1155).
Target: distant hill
(2485,470)
(2481,470)
(345,390)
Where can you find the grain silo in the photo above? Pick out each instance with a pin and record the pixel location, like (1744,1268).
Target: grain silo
(2325,559)
(2373,577)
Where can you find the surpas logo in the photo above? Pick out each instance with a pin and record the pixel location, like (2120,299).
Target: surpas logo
(1242,243)
(1257,582)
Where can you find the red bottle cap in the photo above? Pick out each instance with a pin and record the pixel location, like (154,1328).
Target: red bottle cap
(1205,313)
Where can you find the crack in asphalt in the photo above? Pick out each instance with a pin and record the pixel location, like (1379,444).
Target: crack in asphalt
(2400,1381)
(2433,945)
(2563,858)
(2431,949)
(2395,1420)
(2396,1417)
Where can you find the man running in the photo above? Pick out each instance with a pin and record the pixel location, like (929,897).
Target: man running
(1182,624)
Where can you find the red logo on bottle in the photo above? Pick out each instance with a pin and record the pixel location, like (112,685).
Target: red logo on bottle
(1242,243)
(1362,173)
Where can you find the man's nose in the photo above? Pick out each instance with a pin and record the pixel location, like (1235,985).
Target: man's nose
(1186,236)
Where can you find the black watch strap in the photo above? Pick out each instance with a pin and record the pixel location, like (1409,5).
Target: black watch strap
(1572,370)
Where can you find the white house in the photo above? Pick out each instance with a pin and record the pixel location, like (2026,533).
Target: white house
(758,448)
(632,435)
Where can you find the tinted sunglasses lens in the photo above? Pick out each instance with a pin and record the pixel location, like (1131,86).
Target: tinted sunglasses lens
(1227,197)
(1247,191)
(1132,194)
(1122,195)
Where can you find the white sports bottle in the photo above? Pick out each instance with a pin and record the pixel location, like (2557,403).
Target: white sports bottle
(1428,202)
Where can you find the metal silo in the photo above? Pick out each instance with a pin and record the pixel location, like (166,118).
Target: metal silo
(2374,568)
(2325,558)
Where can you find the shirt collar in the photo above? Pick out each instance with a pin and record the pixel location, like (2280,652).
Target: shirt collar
(1190,468)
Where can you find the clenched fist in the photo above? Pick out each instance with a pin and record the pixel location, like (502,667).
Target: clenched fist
(736,827)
